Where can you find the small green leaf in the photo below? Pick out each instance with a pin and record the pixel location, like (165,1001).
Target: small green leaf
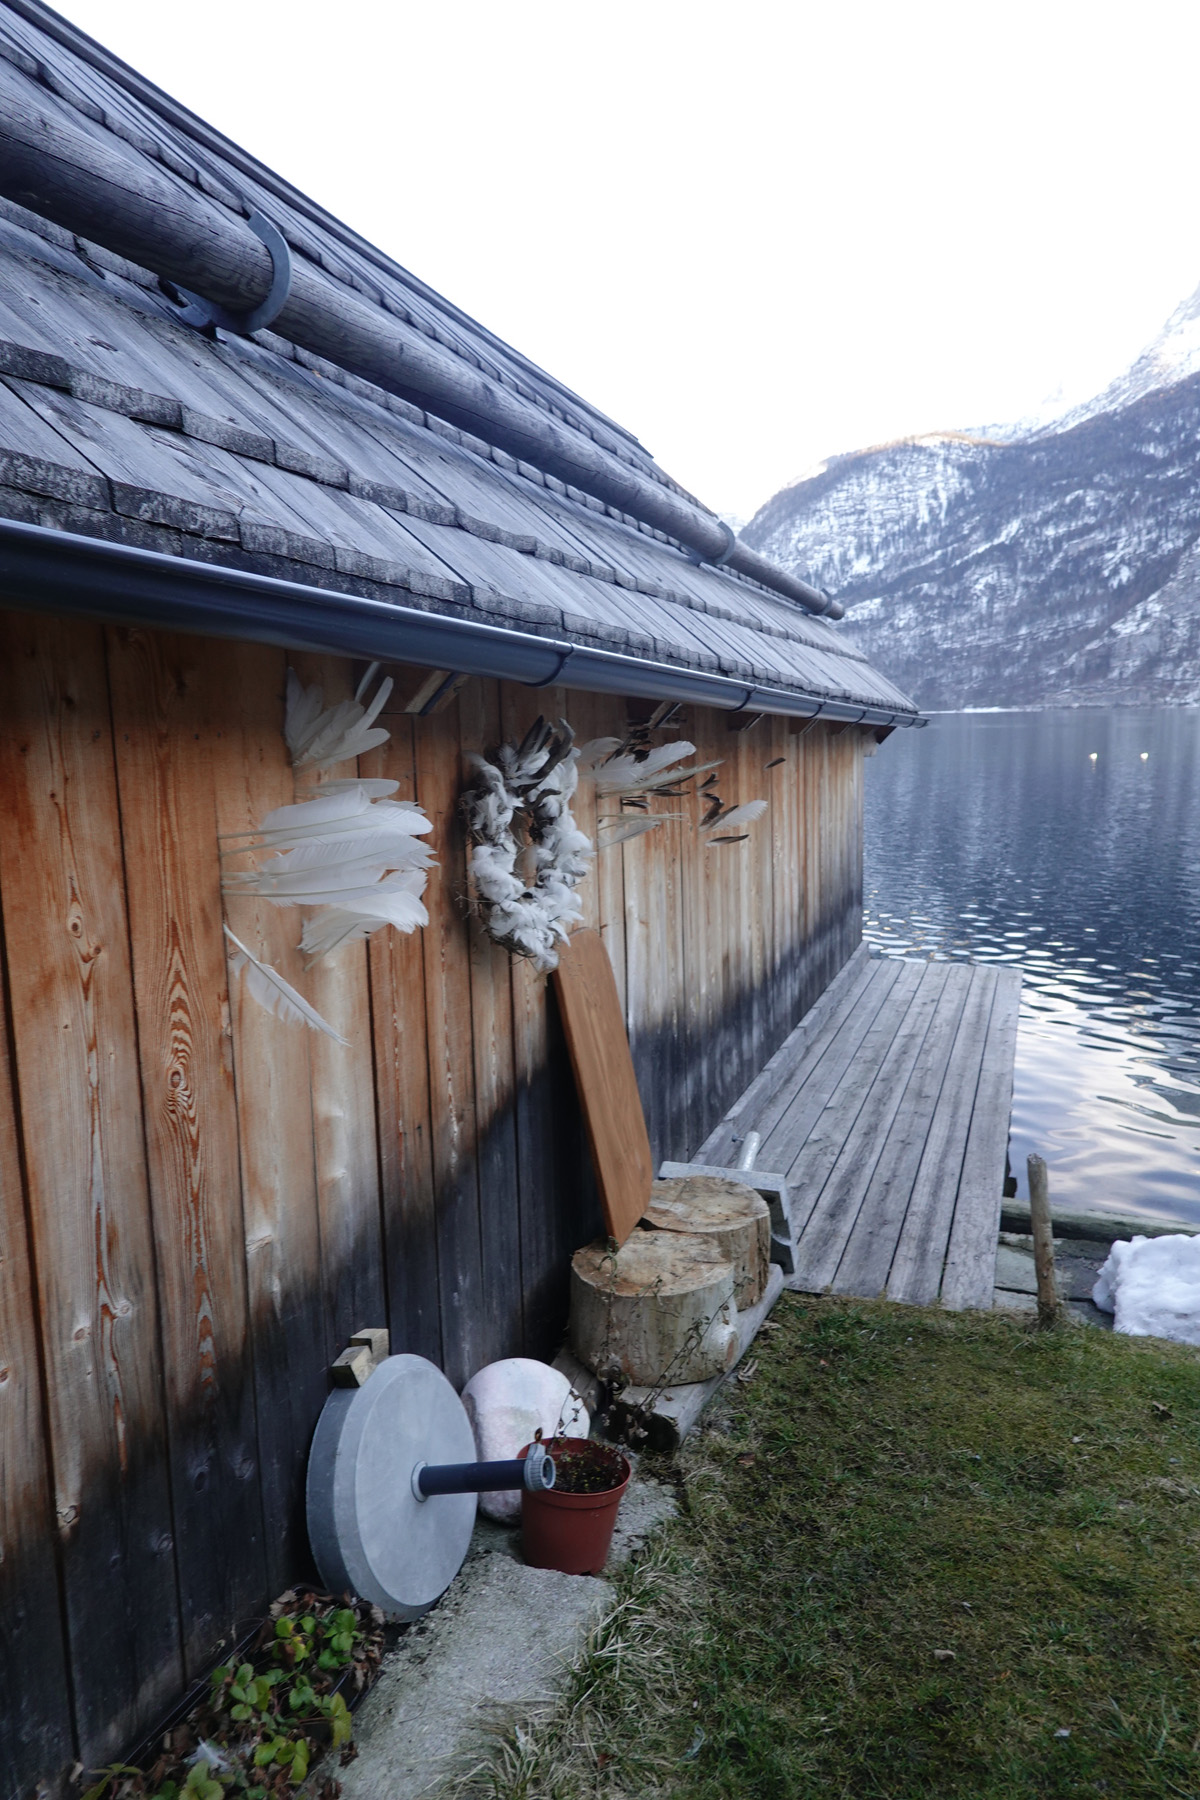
(283,1628)
(241,1712)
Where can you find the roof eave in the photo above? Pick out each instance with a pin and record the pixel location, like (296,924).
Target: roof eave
(42,569)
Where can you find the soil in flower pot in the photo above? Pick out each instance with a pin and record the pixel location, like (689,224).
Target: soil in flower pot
(569,1527)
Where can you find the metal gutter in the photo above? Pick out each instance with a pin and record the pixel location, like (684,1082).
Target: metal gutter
(44,570)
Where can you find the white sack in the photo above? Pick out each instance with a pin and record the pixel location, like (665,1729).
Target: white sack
(506,1403)
(1152,1287)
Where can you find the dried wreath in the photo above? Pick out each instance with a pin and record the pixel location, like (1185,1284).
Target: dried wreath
(520,799)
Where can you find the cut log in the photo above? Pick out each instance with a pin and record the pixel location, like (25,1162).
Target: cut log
(660,1308)
(726,1212)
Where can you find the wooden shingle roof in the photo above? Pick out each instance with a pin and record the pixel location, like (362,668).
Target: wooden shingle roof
(123,424)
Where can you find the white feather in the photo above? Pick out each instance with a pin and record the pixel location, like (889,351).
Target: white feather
(389,848)
(267,986)
(318,737)
(374,786)
(738,815)
(630,829)
(335,925)
(631,774)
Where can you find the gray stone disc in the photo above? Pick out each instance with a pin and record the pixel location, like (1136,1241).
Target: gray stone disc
(369,1532)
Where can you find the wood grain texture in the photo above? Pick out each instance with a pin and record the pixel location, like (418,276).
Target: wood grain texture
(867,1259)
(818,1113)
(397,971)
(970,1276)
(555,1203)
(448,1026)
(604,1077)
(67,942)
(869,1100)
(916,1272)
(292,1345)
(888,1108)
(502,1317)
(264,1188)
(345,1148)
(163,726)
(35,1713)
(761,1106)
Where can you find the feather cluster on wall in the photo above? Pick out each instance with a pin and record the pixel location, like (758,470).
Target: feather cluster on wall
(320,736)
(351,852)
(633,776)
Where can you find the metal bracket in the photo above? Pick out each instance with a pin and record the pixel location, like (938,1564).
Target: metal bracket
(564,658)
(206,315)
(715,562)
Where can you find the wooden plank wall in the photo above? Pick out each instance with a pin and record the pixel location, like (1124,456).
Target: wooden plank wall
(199,1203)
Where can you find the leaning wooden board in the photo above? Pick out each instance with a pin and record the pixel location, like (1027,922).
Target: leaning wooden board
(604,1077)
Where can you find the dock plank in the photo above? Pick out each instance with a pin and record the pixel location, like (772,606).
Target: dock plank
(916,1271)
(811,1133)
(867,1259)
(752,1111)
(888,1108)
(969,1280)
(882,1084)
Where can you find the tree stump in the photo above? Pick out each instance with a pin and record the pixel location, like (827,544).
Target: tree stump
(659,1308)
(730,1214)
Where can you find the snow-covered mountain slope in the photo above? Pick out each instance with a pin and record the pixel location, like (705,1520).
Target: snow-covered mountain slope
(1058,566)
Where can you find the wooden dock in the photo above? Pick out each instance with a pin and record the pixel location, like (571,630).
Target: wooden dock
(888,1111)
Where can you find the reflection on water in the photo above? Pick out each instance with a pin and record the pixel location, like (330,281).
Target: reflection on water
(1067,842)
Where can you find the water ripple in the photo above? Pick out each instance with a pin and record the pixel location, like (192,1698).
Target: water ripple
(995,838)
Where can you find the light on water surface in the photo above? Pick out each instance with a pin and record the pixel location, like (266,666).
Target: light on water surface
(1067,842)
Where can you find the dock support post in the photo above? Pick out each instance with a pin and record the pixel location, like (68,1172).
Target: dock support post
(1049,1309)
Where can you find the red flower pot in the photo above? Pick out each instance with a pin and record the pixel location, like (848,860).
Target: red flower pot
(570,1532)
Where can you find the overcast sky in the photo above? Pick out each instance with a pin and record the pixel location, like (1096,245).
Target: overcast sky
(756,234)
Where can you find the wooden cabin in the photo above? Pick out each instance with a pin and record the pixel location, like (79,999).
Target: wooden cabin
(199,1202)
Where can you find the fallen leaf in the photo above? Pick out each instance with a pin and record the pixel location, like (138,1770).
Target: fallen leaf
(1161,1411)
(747,1374)
(747,1462)
(945,1656)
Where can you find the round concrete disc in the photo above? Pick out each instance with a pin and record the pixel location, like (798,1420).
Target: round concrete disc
(369,1532)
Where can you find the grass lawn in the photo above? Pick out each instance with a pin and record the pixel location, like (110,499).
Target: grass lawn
(920,1554)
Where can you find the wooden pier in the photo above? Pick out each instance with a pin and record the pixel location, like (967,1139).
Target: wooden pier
(888,1111)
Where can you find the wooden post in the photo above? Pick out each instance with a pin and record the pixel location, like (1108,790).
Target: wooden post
(1049,1309)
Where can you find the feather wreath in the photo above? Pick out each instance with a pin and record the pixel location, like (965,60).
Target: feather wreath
(520,798)
(351,852)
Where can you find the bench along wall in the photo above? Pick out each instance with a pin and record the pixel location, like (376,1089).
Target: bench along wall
(199,1203)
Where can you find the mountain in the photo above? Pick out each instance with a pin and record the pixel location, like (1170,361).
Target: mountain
(1056,565)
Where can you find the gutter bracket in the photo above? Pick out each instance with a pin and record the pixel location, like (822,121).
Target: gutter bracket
(568,651)
(206,315)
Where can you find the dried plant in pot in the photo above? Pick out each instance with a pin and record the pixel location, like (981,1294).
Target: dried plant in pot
(569,1527)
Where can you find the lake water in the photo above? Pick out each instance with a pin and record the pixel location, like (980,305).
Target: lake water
(1067,842)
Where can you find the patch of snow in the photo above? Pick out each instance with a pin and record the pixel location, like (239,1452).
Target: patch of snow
(1152,1287)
